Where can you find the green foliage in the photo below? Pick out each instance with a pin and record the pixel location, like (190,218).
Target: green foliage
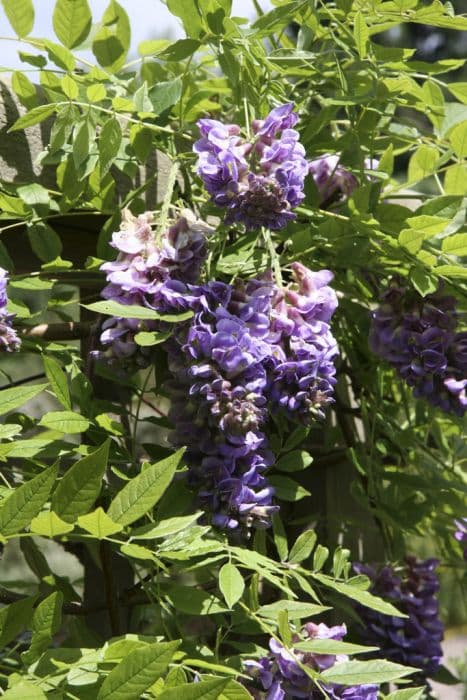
(87,463)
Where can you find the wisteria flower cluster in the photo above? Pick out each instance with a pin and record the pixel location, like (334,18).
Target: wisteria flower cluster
(416,639)
(259,182)
(250,350)
(9,340)
(461,534)
(151,272)
(281,676)
(419,337)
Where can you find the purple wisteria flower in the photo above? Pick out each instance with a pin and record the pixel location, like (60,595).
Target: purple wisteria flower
(415,640)
(258,182)
(334,182)
(419,337)
(9,340)
(154,272)
(250,350)
(461,534)
(281,676)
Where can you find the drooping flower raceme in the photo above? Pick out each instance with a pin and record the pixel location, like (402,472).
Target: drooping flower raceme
(259,182)
(250,350)
(461,534)
(150,272)
(9,340)
(420,338)
(281,676)
(416,639)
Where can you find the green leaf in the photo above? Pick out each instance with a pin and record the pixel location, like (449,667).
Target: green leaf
(12,398)
(69,87)
(26,502)
(58,380)
(288,489)
(137,671)
(45,242)
(165,528)
(80,486)
(165,94)
(294,461)
(34,116)
(96,93)
(72,21)
(231,584)
(99,524)
(331,646)
(192,601)
(455,178)
(455,245)
(179,50)
(13,619)
(109,144)
(204,690)
(142,493)
(25,90)
(458,139)
(49,525)
(148,339)
(60,55)
(360,672)
(361,34)
(24,690)
(451,271)
(303,547)
(45,623)
(65,421)
(423,281)
(363,597)
(20,14)
(113,308)
(407,694)
(112,40)
(294,609)
(188,12)
(459,90)
(422,163)
(136,551)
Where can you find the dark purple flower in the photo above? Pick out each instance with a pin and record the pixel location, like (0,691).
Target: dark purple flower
(257,182)
(9,340)
(461,533)
(415,640)
(418,336)
(281,673)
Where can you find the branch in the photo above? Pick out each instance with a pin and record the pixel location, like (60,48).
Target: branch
(71,330)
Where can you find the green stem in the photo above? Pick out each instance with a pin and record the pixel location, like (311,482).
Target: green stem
(275,260)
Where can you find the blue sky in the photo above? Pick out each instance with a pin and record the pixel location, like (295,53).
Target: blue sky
(149,19)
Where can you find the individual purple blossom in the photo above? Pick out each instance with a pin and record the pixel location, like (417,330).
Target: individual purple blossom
(259,182)
(281,676)
(155,272)
(461,533)
(416,639)
(419,337)
(9,340)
